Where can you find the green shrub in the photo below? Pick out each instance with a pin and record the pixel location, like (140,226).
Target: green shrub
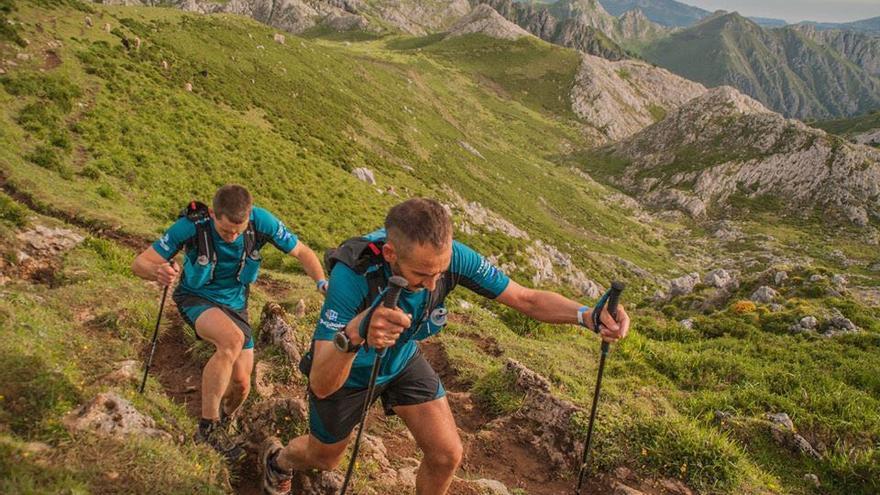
(12,212)
(52,87)
(496,391)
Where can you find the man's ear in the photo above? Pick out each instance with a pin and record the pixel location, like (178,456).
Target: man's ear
(389,252)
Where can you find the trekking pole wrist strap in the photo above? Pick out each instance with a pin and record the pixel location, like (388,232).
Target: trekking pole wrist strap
(597,311)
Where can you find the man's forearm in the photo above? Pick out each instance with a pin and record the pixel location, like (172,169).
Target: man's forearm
(310,263)
(550,307)
(144,269)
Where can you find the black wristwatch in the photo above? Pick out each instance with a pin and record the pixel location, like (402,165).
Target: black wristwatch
(343,343)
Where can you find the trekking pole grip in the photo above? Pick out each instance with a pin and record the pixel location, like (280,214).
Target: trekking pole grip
(613,298)
(396,284)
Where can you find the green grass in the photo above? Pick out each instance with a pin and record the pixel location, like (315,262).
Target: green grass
(850,126)
(112,139)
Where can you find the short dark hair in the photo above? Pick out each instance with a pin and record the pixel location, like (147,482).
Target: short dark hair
(421,220)
(233,202)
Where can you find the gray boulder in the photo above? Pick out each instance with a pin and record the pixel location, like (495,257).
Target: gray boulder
(719,278)
(683,285)
(764,295)
(364,174)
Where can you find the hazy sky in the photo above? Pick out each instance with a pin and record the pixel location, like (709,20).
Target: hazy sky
(797,10)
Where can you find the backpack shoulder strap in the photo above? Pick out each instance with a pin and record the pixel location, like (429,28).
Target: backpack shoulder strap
(361,254)
(198,213)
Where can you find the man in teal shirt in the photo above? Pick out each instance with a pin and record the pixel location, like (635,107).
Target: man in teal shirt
(416,244)
(221,260)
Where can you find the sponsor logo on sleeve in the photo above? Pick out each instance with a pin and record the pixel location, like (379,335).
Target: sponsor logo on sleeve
(163,242)
(282,234)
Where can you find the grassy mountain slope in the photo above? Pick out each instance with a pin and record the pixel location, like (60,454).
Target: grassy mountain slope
(780,67)
(850,126)
(110,140)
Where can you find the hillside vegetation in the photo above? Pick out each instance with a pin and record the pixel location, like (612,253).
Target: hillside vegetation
(117,116)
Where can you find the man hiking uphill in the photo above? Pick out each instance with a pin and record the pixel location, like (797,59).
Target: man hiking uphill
(417,245)
(222,258)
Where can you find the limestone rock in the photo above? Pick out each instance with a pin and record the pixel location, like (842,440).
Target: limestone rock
(108,414)
(764,295)
(773,157)
(365,175)
(470,149)
(274,329)
(546,259)
(620,98)
(719,278)
(484,20)
(781,276)
(781,419)
(262,382)
(683,285)
(279,38)
(48,241)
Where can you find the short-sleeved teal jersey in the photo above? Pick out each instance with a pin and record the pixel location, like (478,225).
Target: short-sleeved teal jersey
(348,290)
(225,288)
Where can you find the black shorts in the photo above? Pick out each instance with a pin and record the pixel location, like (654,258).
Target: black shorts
(191,307)
(333,418)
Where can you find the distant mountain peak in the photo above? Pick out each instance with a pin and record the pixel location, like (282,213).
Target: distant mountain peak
(485,20)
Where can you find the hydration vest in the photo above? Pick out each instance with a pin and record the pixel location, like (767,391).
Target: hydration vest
(364,257)
(201,272)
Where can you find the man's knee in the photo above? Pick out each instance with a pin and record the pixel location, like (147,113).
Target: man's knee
(230,346)
(446,458)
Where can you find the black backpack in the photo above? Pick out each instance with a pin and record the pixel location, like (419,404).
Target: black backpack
(203,243)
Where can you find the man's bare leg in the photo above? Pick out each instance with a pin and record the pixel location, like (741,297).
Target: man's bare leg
(217,328)
(240,383)
(307,452)
(433,427)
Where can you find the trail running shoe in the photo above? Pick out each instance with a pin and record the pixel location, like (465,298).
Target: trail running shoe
(275,481)
(216,436)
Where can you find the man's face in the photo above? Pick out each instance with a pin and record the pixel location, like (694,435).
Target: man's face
(228,230)
(420,264)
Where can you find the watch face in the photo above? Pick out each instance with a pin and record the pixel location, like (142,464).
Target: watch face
(341,341)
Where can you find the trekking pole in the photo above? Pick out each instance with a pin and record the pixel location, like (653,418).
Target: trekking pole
(155,339)
(612,298)
(395,285)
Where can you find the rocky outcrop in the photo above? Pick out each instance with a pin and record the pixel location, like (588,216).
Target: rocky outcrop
(549,419)
(419,18)
(364,175)
(859,48)
(554,267)
(724,144)
(579,24)
(484,20)
(869,138)
(108,414)
(621,98)
(470,215)
(294,16)
(783,432)
(275,330)
(634,26)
